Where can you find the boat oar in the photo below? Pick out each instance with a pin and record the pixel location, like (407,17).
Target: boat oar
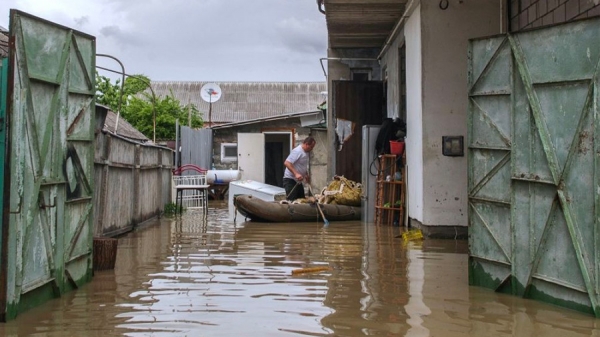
(319,208)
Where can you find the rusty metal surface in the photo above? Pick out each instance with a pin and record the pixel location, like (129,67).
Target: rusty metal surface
(533,168)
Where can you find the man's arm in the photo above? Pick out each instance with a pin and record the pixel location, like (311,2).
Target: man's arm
(292,169)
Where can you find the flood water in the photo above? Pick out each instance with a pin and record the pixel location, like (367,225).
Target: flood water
(212,277)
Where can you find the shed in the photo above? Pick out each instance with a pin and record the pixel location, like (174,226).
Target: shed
(260,146)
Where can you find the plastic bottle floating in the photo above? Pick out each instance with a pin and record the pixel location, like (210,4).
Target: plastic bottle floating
(412,235)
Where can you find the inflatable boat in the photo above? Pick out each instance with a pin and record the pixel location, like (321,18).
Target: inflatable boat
(259,210)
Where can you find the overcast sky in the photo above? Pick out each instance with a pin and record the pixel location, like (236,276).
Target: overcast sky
(196,40)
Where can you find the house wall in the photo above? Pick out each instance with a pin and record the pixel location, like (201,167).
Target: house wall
(536,13)
(410,35)
(414,114)
(444,40)
(318,162)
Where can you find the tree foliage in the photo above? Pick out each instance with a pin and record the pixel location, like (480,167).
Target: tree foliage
(138,106)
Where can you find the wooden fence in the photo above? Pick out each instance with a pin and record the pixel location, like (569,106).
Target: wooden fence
(133,183)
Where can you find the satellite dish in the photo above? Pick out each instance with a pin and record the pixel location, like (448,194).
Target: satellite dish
(210,92)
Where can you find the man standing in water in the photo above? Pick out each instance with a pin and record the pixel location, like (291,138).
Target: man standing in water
(296,169)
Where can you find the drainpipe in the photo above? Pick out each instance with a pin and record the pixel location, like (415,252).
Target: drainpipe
(388,41)
(320,5)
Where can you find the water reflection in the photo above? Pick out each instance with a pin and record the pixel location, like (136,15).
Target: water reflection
(197,276)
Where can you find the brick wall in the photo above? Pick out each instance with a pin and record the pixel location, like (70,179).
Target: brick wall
(526,14)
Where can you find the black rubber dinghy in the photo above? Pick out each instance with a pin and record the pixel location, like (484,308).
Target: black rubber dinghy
(259,210)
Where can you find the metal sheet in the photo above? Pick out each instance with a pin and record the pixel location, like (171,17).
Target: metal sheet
(251,156)
(533,174)
(3,225)
(196,148)
(51,153)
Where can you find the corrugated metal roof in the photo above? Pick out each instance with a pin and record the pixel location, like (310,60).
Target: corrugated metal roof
(265,119)
(242,101)
(125,129)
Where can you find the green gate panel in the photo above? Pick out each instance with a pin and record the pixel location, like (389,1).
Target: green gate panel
(534,190)
(50,142)
(3,227)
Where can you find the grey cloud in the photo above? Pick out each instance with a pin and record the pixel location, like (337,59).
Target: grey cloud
(82,21)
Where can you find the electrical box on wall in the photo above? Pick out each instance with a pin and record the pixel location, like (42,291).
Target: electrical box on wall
(453,146)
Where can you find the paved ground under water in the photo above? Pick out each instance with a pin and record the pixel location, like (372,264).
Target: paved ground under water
(192,276)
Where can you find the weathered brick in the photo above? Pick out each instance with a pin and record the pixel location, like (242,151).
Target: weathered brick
(523,22)
(542,7)
(532,13)
(514,8)
(559,14)
(585,5)
(514,24)
(548,19)
(595,11)
(571,9)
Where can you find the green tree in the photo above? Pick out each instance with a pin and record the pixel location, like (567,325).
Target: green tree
(137,106)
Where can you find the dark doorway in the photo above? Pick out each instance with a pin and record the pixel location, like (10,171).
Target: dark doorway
(277,148)
(361,103)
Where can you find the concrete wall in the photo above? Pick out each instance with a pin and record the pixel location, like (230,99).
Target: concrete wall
(444,38)
(414,114)
(436,101)
(526,14)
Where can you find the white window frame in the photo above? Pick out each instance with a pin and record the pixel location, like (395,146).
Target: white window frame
(228,159)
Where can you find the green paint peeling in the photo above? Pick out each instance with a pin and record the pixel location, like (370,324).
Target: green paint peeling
(549,231)
(536,294)
(50,227)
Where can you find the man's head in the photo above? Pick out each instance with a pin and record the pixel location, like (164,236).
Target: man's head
(308,144)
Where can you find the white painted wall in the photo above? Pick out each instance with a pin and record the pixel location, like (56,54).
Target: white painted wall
(414,114)
(444,41)
(436,75)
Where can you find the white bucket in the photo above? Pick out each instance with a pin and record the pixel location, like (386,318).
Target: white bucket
(222,176)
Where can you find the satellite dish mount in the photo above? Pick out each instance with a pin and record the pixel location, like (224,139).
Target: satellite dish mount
(210,92)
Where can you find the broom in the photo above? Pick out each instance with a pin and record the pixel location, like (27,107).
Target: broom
(319,208)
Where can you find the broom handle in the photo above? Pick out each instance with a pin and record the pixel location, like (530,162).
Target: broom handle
(318,206)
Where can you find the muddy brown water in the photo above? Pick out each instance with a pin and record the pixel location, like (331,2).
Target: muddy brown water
(212,277)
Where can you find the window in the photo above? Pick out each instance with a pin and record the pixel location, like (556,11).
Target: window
(229,152)
(359,74)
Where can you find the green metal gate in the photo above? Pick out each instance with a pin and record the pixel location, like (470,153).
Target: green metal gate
(534,161)
(50,151)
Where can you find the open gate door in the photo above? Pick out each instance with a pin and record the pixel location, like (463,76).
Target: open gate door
(356,103)
(49,171)
(534,168)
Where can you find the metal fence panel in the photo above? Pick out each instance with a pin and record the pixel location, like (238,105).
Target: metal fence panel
(51,118)
(196,147)
(533,165)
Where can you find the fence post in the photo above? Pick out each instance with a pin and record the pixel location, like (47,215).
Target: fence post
(103,199)
(136,186)
(159,177)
